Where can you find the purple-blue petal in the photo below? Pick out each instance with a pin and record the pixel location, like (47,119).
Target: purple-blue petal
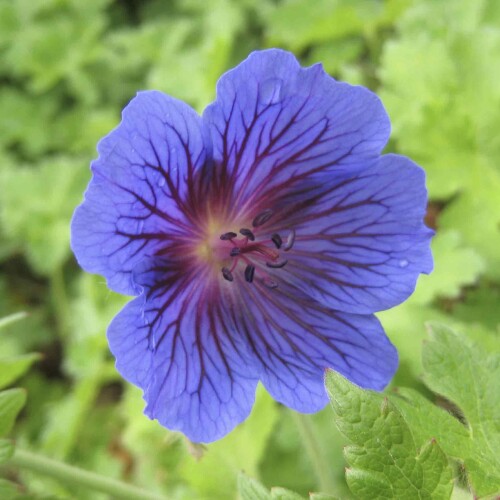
(274,123)
(138,200)
(294,339)
(362,244)
(178,343)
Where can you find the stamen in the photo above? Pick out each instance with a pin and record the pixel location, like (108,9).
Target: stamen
(228,236)
(262,218)
(249,273)
(249,252)
(228,275)
(246,232)
(277,240)
(270,283)
(289,241)
(278,264)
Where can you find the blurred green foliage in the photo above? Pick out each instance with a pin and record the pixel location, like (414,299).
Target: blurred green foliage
(67,68)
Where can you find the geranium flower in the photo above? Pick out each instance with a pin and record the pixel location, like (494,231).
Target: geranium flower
(259,239)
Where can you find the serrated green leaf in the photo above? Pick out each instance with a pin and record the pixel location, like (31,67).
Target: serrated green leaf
(469,377)
(6,450)
(386,461)
(11,402)
(437,475)
(428,421)
(251,489)
(13,368)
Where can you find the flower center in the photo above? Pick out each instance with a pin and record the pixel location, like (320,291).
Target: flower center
(254,253)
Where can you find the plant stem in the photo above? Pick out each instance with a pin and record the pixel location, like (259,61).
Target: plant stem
(75,476)
(315,452)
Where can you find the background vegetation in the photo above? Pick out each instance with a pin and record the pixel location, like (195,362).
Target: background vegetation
(67,68)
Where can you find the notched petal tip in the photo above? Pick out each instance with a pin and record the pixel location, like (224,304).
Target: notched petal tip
(273,119)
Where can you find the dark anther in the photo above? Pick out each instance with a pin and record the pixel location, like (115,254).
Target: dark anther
(277,264)
(234,251)
(249,272)
(247,233)
(270,283)
(228,275)
(277,240)
(228,236)
(289,241)
(262,218)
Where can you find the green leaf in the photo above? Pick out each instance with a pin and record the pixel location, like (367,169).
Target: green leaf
(41,228)
(469,377)
(24,121)
(454,268)
(243,449)
(476,214)
(12,318)
(90,314)
(298,24)
(480,305)
(321,496)
(428,421)
(278,493)
(6,450)
(11,402)
(198,52)
(386,461)
(8,490)
(437,474)
(446,119)
(13,368)
(251,489)
(405,326)
(66,418)
(285,461)
(54,41)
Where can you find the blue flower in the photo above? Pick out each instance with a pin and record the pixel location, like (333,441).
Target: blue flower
(259,240)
